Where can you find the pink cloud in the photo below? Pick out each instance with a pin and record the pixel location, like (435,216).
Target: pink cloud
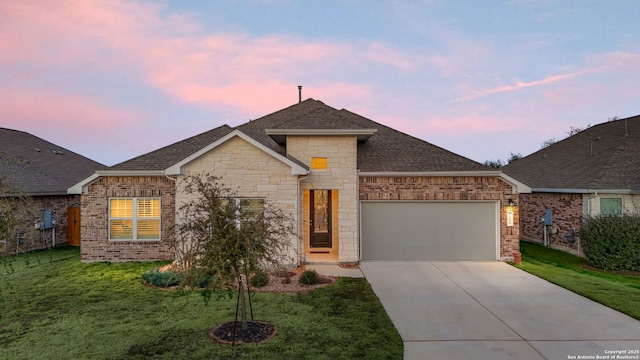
(608,65)
(173,54)
(37,109)
(256,73)
(518,85)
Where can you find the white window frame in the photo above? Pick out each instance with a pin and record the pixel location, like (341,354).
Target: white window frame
(610,198)
(135,218)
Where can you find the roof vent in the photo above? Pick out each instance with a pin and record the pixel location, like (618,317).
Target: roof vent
(299,94)
(591,139)
(38,150)
(57,152)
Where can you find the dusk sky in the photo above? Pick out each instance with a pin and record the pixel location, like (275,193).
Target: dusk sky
(113,79)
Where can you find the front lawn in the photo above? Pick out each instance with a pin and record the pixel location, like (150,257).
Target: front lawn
(619,291)
(57,307)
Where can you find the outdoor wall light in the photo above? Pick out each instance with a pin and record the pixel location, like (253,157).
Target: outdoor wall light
(511,202)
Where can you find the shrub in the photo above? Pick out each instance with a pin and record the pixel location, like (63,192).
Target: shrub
(259,279)
(205,281)
(309,277)
(162,278)
(612,242)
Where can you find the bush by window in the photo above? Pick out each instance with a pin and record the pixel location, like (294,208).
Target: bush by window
(612,242)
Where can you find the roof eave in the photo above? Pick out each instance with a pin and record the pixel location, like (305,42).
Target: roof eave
(34,194)
(517,186)
(587,191)
(81,187)
(280,135)
(432,173)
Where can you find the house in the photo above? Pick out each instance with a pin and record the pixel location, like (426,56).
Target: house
(594,172)
(357,190)
(41,172)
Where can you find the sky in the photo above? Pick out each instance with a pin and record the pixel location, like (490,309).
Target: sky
(114,79)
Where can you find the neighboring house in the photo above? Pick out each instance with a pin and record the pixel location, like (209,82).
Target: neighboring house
(356,189)
(596,171)
(42,172)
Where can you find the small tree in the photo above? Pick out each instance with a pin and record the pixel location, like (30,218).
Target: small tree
(548,142)
(17,212)
(16,221)
(513,157)
(221,238)
(496,164)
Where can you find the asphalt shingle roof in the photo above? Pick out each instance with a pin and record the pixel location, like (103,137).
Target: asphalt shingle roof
(604,156)
(169,155)
(37,167)
(387,150)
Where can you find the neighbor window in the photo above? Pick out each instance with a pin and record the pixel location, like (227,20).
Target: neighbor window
(134,219)
(611,206)
(319,163)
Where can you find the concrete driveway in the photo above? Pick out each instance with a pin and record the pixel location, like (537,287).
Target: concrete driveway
(491,310)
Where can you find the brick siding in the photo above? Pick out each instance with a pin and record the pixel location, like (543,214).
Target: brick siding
(95,244)
(33,239)
(567,214)
(456,188)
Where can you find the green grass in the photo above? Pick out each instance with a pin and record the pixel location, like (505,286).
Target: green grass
(56,307)
(615,290)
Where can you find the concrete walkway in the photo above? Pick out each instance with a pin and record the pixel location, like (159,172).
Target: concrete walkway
(334,270)
(491,310)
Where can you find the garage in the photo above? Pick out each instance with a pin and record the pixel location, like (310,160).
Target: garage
(429,230)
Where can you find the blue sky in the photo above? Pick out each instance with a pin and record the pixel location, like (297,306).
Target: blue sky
(113,79)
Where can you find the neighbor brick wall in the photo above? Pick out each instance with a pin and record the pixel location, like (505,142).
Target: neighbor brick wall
(456,188)
(567,214)
(41,239)
(95,244)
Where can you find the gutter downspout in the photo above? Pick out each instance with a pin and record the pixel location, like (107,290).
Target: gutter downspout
(359,215)
(175,210)
(589,198)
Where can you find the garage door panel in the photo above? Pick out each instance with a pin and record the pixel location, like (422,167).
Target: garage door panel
(429,231)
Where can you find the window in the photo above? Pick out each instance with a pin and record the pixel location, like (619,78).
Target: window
(251,207)
(611,206)
(319,163)
(134,219)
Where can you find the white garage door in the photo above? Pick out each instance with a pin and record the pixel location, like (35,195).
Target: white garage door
(396,230)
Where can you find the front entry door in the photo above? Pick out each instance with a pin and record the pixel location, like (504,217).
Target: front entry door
(320,223)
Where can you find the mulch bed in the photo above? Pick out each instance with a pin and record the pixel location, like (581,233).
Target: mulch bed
(256,332)
(279,281)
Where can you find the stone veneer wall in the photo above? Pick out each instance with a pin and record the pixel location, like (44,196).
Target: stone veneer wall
(42,239)
(95,244)
(567,214)
(341,174)
(455,188)
(251,173)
